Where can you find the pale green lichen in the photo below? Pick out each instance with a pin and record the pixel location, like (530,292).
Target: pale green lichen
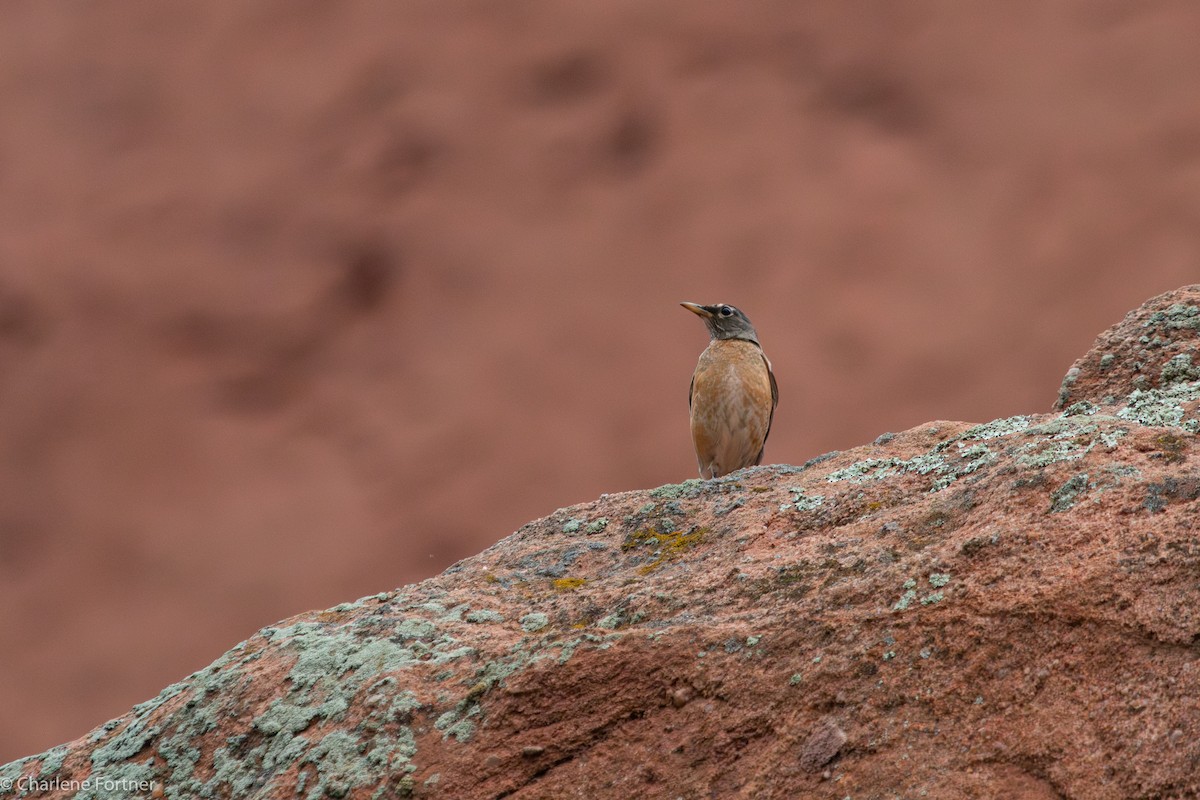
(1064,389)
(1177,316)
(937,463)
(534,621)
(1082,408)
(610,622)
(333,664)
(568,647)
(454,614)
(456,723)
(1162,407)
(119,780)
(1122,470)
(12,770)
(392,754)
(936,580)
(1064,497)
(1179,368)
(596,526)
(671,491)
(283,715)
(131,739)
(52,760)
(483,615)
(1065,439)
(997,428)
(869,469)
(323,655)
(341,765)
(905,600)
(1110,438)
(572,525)
(976,456)
(802,501)
(342,608)
(415,628)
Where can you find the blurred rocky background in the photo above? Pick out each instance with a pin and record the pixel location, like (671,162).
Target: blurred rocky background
(303,301)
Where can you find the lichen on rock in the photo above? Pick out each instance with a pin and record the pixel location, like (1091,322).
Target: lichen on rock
(950,611)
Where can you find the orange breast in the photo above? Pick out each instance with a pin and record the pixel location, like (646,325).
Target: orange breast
(732,405)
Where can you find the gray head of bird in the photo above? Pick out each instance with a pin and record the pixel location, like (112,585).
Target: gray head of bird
(724,321)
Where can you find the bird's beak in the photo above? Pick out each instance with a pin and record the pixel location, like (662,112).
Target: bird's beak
(697,309)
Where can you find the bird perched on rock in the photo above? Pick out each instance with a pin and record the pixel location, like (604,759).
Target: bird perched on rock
(733,393)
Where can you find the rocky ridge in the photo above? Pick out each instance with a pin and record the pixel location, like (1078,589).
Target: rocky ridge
(1009,609)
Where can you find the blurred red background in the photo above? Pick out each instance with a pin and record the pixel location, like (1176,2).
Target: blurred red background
(303,301)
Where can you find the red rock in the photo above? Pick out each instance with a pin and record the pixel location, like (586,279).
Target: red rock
(223,222)
(1154,347)
(987,611)
(822,747)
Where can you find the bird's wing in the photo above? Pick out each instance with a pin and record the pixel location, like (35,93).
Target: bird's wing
(691,388)
(774,395)
(774,403)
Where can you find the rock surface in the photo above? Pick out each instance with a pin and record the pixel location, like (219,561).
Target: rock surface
(222,223)
(1009,609)
(1153,348)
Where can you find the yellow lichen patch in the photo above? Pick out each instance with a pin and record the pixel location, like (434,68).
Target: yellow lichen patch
(568,584)
(668,546)
(1172,448)
(490,578)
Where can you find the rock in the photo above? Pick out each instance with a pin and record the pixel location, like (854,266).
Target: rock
(822,747)
(1008,609)
(224,224)
(1153,348)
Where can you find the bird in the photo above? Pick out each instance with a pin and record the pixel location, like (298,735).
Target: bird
(733,394)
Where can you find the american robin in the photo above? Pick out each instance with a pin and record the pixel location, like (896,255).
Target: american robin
(733,393)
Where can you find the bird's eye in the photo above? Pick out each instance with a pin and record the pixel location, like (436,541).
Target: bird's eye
(726,311)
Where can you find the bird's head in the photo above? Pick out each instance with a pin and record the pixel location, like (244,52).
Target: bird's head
(724,321)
